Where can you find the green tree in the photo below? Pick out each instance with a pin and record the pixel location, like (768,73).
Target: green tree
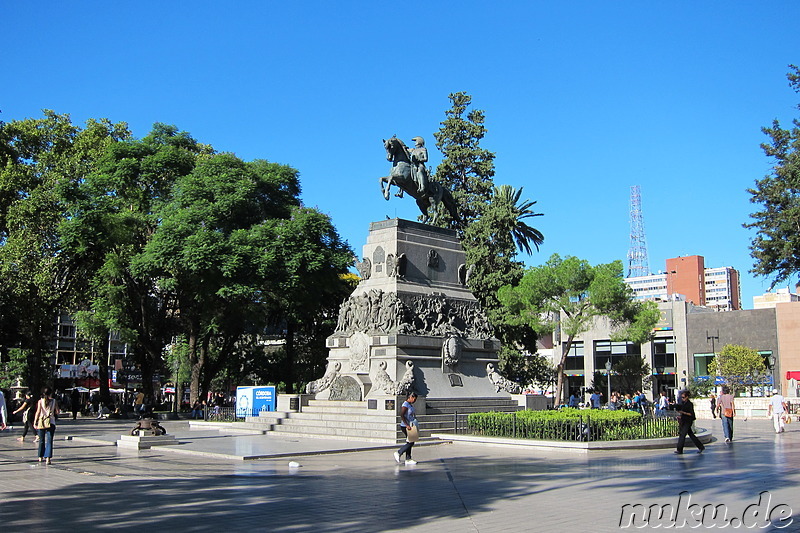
(466,170)
(116,212)
(310,287)
(738,366)
(41,162)
(776,246)
(207,252)
(527,369)
(494,225)
(570,294)
(507,200)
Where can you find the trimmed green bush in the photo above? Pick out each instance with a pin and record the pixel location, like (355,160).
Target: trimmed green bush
(571,425)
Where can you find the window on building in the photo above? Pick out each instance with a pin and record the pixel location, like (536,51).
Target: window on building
(701,361)
(767,355)
(663,354)
(575,357)
(615,351)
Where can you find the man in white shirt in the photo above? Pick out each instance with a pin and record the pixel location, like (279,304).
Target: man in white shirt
(777,408)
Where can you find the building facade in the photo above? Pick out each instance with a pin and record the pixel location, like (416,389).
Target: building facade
(722,288)
(685,340)
(687,279)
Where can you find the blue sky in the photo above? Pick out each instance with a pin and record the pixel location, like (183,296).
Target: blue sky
(582,100)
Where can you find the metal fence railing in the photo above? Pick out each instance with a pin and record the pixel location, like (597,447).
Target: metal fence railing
(221,414)
(228,414)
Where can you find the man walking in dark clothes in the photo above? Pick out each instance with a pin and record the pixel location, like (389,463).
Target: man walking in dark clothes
(687,418)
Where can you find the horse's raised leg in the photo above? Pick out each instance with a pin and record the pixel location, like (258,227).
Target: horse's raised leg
(385,190)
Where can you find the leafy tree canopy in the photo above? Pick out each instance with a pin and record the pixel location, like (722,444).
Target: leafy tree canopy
(571,294)
(776,246)
(494,226)
(738,366)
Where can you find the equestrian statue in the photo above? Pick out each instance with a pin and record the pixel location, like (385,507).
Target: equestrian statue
(410,174)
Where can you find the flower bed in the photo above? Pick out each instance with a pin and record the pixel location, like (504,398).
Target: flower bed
(571,425)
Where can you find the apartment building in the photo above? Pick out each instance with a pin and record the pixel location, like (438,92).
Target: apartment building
(685,341)
(687,279)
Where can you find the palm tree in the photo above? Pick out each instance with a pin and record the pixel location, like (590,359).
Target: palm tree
(523,234)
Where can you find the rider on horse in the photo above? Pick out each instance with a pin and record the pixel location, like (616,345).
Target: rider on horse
(410,175)
(419,156)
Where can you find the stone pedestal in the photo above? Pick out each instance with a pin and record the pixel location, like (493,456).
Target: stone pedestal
(412,323)
(145,442)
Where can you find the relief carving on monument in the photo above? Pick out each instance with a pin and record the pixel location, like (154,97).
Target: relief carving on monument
(435,315)
(345,388)
(381,380)
(451,350)
(359,352)
(406,383)
(378,258)
(325,381)
(433,259)
(500,382)
(464,273)
(364,268)
(402,264)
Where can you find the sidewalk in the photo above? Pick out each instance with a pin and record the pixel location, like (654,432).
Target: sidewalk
(93,486)
(212,443)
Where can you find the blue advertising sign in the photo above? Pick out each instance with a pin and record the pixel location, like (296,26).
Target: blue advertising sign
(252,400)
(264,399)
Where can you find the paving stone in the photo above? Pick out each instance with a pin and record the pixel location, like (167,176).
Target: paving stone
(93,486)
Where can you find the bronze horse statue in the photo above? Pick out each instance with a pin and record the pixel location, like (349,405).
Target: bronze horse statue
(402,177)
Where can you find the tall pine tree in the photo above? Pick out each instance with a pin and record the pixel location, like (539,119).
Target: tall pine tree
(492,222)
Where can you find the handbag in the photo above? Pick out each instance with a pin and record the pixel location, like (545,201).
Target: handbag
(412,434)
(44,419)
(728,413)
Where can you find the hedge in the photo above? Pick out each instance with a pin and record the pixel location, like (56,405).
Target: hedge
(571,425)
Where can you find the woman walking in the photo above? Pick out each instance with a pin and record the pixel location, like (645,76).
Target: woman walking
(45,423)
(408,420)
(28,408)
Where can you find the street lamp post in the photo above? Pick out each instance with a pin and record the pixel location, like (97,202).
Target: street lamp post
(771,362)
(608,378)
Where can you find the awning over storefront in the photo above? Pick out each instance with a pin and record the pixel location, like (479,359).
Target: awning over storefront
(793,374)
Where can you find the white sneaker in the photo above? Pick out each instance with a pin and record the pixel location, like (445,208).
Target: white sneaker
(397,457)
(410,462)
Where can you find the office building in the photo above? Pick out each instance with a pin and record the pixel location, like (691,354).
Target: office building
(687,279)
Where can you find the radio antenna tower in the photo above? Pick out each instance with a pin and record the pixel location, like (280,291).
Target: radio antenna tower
(637,254)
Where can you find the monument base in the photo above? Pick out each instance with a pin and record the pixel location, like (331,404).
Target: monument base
(145,442)
(412,323)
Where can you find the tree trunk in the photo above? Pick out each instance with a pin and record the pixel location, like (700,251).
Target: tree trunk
(196,360)
(289,374)
(102,364)
(565,348)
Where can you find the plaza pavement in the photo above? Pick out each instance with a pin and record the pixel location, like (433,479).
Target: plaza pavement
(205,485)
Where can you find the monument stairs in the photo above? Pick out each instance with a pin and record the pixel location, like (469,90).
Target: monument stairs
(352,420)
